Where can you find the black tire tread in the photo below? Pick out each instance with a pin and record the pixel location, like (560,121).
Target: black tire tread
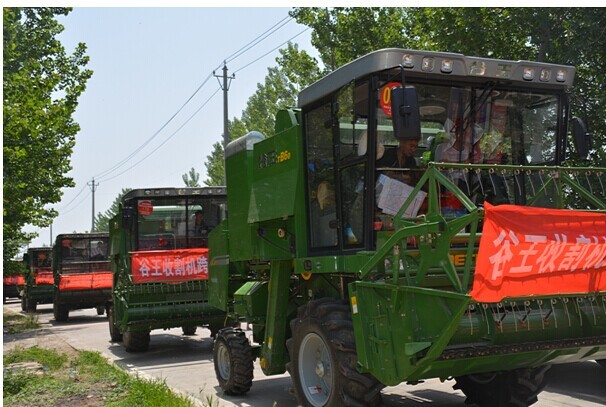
(136,341)
(333,316)
(518,387)
(60,312)
(189,330)
(114,331)
(240,380)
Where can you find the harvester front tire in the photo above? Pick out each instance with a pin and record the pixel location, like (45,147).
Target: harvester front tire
(189,329)
(114,332)
(60,312)
(518,387)
(30,305)
(232,357)
(136,341)
(323,358)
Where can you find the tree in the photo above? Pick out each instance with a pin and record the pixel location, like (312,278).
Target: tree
(191,179)
(42,84)
(102,219)
(296,69)
(570,36)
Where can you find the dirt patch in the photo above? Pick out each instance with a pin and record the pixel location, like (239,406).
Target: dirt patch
(41,337)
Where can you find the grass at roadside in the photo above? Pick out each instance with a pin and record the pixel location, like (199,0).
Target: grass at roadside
(45,377)
(15,323)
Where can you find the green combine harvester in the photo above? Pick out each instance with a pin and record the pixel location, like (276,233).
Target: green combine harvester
(480,258)
(38,287)
(159,259)
(82,273)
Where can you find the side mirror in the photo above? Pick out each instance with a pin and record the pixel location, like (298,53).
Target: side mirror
(405,113)
(581,137)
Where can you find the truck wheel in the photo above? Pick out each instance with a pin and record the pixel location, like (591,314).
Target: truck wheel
(114,332)
(136,341)
(323,358)
(30,305)
(189,329)
(60,312)
(518,387)
(100,309)
(233,361)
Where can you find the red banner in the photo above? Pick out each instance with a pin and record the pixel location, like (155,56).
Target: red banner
(169,265)
(86,281)
(45,277)
(14,280)
(528,251)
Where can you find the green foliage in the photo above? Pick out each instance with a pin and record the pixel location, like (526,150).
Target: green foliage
(296,69)
(102,219)
(13,268)
(14,323)
(570,36)
(191,179)
(65,380)
(42,84)
(16,381)
(46,357)
(214,166)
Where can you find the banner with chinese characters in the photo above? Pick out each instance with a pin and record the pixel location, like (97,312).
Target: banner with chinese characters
(14,280)
(44,277)
(169,265)
(86,281)
(528,251)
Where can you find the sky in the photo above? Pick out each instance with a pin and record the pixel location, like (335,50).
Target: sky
(147,62)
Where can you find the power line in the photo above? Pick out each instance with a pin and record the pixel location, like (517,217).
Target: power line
(269,52)
(78,204)
(74,198)
(257,40)
(233,56)
(131,155)
(165,141)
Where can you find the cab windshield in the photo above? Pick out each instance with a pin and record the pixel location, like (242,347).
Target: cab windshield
(168,224)
(481,125)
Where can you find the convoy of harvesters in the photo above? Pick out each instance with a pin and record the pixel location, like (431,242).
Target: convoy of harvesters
(416,216)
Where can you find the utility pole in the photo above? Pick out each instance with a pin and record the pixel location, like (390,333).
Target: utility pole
(225,88)
(93,186)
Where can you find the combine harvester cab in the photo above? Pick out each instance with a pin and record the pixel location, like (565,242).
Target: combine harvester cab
(82,273)
(159,256)
(38,287)
(480,259)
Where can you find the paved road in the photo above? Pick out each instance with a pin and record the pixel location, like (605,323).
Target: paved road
(186,365)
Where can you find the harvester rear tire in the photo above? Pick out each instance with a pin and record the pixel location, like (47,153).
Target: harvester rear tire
(189,329)
(114,332)
(518,387)
(136,341)
(60,312)
(232,357)
(323,358)
(30,305)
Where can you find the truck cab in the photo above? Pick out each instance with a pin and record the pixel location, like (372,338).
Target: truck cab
(82,273)
(159,258)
